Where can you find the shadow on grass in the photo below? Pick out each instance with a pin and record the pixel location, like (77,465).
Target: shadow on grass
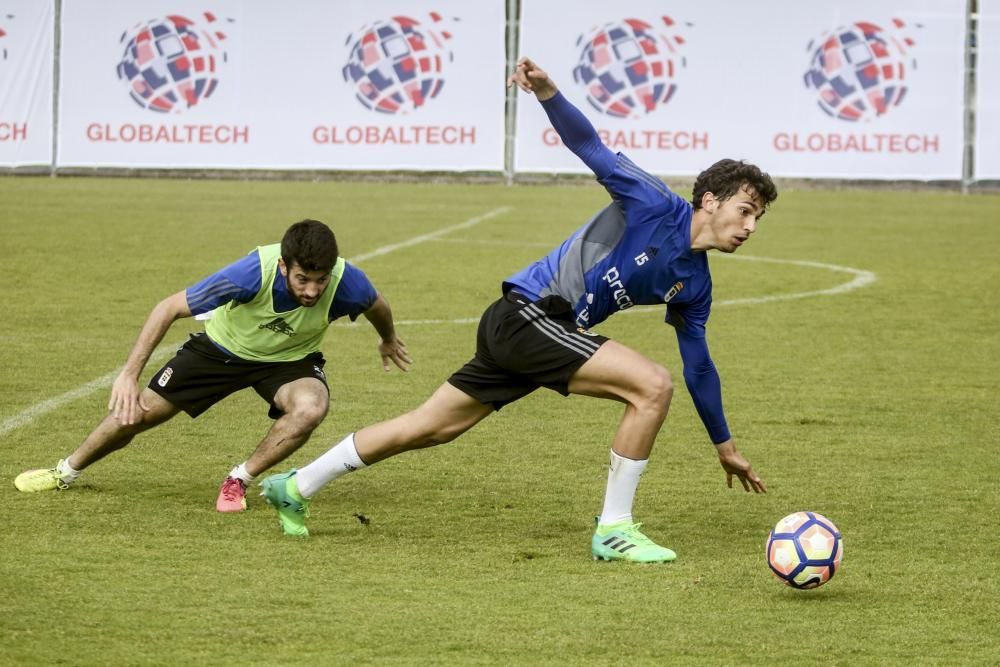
(817,596)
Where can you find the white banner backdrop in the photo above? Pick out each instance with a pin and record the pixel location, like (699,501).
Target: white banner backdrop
(26,64)
(373,84)
(987,160)
(847,89)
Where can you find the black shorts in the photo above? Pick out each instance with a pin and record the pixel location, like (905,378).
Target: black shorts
(521,346)
(201,375)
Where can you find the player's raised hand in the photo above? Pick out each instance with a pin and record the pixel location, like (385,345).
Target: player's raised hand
(531,78)
(736,465)
(395,350)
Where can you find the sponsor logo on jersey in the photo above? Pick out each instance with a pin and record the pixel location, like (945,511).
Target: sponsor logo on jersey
(279,325)
(620,296)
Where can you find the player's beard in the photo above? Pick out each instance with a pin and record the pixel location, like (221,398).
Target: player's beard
(299,297)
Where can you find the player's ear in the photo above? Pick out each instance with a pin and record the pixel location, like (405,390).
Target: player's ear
(282,267)
(709,202)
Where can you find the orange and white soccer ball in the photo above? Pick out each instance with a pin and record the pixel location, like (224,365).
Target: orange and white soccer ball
(805,550)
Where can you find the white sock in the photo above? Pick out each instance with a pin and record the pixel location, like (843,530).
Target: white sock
(623,480)
(338,460)
(240,472)
(67,472)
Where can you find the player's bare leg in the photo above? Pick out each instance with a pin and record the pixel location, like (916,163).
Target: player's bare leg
(110,435)
(447,414)
(304,403)
(622,374)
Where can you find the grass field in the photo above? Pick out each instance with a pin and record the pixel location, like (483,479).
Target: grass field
(876,406)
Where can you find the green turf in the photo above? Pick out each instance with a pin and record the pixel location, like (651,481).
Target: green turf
(877,407)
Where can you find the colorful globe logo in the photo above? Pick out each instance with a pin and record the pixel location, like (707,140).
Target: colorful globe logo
(859,71)
(171,64)
(396,65)
(627,68)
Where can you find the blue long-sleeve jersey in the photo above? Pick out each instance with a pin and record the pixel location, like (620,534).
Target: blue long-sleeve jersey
(637,251)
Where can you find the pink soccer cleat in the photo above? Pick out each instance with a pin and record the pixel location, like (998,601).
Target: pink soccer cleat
(232,496)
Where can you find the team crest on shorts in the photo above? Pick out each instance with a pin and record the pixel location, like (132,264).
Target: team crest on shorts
(165,376)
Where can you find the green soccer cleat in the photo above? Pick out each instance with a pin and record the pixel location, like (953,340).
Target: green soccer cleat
(282,493)
(42,479)
(624,541)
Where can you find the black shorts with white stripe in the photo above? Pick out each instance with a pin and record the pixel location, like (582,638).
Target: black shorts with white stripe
(521,346)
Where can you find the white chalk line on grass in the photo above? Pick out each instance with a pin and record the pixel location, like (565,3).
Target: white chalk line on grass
(35,411)
(29,415)
(431,236)
(519,244)
(861,279)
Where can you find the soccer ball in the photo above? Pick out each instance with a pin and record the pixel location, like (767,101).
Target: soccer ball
(804,550)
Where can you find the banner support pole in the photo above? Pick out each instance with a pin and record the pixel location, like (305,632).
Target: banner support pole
(510,107)
(969,117)
(57,54)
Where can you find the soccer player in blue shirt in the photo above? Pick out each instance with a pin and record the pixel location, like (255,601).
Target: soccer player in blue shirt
(647,247)
(270,311)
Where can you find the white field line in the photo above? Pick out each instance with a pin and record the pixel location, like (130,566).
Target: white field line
(861,279)
(519,244)
(31,413)
(431,236)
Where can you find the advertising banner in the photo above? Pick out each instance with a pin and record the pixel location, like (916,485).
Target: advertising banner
(847,89)
(987,105)
(26,66)
(306,85)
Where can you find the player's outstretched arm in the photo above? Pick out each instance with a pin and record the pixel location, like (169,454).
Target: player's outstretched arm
(390,346)
(573,128)
(703,383)
(124,404)
(736,465)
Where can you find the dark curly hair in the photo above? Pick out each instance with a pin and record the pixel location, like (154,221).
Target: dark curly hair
(725,178)
(311,245)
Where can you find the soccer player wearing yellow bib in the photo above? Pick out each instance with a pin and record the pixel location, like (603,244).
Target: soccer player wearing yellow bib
(271,311)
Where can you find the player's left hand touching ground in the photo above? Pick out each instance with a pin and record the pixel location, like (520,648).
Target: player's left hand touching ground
(394,349)
(736,465)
